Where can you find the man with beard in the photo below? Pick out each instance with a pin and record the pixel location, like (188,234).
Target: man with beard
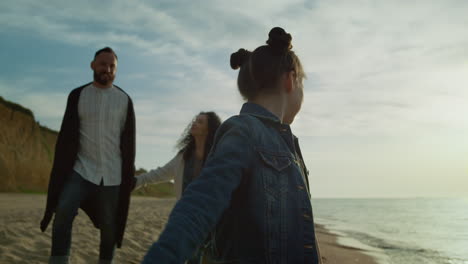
(93,167)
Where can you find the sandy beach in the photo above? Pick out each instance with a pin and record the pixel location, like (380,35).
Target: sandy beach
(21,241)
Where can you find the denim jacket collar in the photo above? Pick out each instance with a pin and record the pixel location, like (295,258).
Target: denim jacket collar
(258,111)
(261,112)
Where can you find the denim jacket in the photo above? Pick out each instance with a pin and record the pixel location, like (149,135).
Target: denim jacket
(251,197)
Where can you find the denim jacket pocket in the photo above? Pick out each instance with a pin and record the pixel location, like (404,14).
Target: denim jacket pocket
(274,171)
(277,160)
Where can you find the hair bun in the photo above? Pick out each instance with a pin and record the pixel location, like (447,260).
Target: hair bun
(279,40)
(239,58)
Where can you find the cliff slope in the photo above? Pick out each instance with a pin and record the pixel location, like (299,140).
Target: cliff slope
(26,149)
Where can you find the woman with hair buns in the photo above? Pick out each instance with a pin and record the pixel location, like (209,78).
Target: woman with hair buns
(252,197)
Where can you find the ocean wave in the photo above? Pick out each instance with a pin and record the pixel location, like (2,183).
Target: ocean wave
(400,252)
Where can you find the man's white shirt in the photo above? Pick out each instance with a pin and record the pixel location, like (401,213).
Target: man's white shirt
(102,114)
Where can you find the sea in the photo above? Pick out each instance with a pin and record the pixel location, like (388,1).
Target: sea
(400,231)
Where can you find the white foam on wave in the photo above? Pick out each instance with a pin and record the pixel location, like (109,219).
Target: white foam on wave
(345,240)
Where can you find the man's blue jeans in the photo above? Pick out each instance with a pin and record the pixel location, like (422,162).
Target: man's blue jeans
(75,191)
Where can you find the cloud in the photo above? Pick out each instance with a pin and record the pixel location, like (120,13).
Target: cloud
(382,52)
(48,108)
(379,71)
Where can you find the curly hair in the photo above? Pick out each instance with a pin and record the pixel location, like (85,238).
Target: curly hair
(186,143)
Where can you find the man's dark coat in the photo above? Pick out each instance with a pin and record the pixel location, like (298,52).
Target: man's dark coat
(66,150)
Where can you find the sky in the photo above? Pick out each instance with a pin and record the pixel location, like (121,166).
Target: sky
(384,113)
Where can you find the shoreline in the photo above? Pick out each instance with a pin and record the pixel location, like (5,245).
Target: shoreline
(334,252)
(21,241)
